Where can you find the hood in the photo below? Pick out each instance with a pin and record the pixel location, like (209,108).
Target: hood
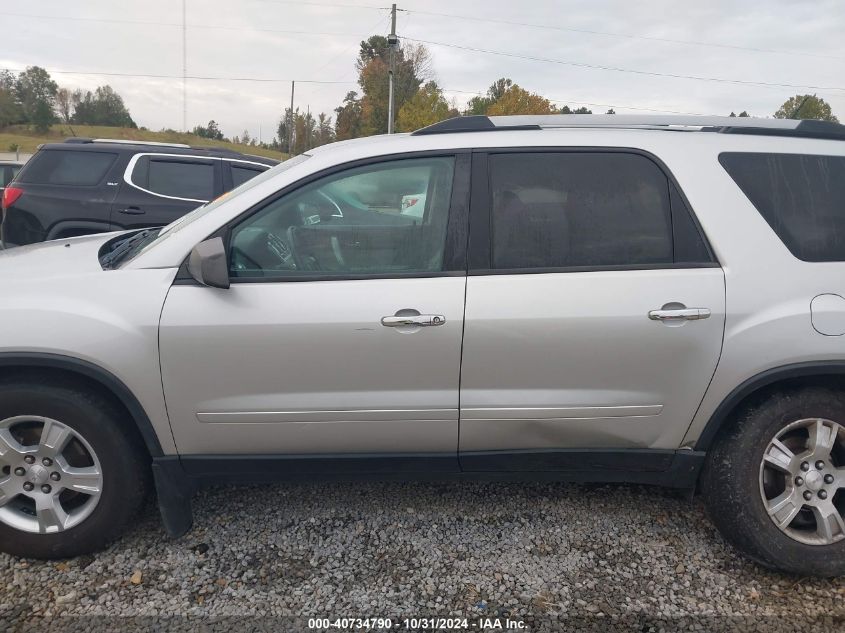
(58,258)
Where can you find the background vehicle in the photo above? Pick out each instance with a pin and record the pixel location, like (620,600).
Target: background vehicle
(577,301)
(87,186)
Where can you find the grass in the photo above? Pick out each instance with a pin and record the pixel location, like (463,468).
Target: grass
(29,140)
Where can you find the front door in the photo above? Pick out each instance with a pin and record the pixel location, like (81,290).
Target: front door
(341,332)
(594,310)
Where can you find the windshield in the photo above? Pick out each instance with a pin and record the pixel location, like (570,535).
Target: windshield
(180,223)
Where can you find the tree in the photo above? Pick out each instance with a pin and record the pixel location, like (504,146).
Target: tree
(36,94)
(102,107)
(582,110)
(479,105)
(64,104)
(611,111)
(412,67)
(516,100)
(10,111)
(426,107)
(246,139)
(348,118)
(741,114)
(212,131)
(325,131)
(806,107)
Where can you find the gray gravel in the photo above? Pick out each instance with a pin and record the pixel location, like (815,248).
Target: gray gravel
(555,556)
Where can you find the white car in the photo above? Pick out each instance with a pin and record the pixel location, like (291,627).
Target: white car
(655,300)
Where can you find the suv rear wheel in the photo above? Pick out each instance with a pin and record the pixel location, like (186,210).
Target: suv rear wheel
(774,484)
(71,477)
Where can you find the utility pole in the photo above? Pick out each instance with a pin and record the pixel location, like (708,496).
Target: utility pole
(184,66)
(392,42)
(290,125)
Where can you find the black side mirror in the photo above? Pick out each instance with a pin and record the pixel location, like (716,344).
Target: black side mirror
(207,263)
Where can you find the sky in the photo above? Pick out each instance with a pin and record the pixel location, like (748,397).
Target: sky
(604,53)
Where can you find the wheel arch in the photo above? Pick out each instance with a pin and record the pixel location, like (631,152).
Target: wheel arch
(90,373)
(824,373)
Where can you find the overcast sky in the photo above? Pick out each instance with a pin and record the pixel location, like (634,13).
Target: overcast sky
(763,41)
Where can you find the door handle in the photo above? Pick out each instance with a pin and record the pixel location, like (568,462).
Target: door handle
(132,211)
(679,314)
(419,320)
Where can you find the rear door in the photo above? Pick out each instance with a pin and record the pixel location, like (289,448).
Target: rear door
(66,192)
(159,188)
(594,311)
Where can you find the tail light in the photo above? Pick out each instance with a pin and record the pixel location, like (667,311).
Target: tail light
(10,196)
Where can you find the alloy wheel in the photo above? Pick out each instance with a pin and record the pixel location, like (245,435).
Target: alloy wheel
(802,481)
(50,477)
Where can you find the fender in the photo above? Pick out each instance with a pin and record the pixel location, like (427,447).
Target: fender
(105,378)
(763,379)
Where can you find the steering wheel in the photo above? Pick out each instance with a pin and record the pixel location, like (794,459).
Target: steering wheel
(256,248)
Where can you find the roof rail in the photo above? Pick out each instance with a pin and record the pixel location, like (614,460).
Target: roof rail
(720,124)
(123,141)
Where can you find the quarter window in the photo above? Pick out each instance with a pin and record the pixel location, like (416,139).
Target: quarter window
(387,218)
(67,167)
(801,196)
(554,210)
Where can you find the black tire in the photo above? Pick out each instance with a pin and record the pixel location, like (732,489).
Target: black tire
(124,463)
(730,482)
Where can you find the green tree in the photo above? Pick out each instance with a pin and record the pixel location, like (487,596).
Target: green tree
(212,131)
(348,117)
(325,131)
(102,107)
(10,111)
(806,107)
(741,114)
(36,94)
(426,107)
(480,104)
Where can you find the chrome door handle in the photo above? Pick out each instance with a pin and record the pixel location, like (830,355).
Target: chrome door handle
(679,314)
(419,320)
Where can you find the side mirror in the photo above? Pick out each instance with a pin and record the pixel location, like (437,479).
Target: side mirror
(207,263)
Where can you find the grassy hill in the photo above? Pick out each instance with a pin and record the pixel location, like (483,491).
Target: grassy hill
(29,139)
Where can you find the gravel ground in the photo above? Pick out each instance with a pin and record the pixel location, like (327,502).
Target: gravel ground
(552,556)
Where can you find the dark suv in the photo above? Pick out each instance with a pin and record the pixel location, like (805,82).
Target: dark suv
(86,186)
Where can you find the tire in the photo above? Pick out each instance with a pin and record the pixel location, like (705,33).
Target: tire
(739,489)
(108,463)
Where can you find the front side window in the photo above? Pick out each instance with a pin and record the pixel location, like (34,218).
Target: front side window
(556,210)
(67,167)
(381,219)
(801,196)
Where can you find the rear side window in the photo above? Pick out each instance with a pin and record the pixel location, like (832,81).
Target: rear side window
(241,174)
(553,210)
(67,167)
(193,180)
(801,196)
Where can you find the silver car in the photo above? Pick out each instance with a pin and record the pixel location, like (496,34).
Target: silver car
(579,298)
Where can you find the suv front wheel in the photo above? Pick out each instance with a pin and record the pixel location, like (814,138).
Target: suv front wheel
(774,484)
(71,475)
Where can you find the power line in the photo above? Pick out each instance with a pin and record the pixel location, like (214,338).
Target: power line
(622,35)
(176,25)
(200,77)
(621,70)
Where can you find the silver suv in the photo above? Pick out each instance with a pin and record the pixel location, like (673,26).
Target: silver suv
(579,298)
